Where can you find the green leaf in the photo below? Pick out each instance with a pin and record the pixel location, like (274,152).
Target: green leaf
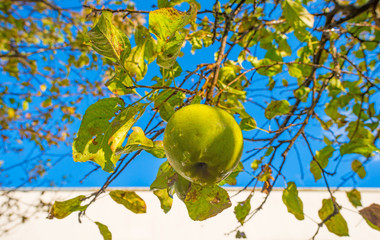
(119,83)
(302,93)
(173,72)
(205,202)
(63,209)
(357,167)
(315,170)
(167,24)
(354,197)
(255,164)
(336,224)
(248,124)
(372,215)
(242,209)
(138,141)
(157,150)
(109,41)
(294,71)
(292,201)
(165,200)
(130,200)
(266,67)
(231,179)
(145,50)
(172,3)
(276,108)
(107,235)
(166,111)
(101,133)
(228,89)
(322,157)
(181,187)
(166,176)
(358,146)
(296,15)
(145,41)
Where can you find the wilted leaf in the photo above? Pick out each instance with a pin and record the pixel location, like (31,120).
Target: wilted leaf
(165,177)
(101,133)
(354,197)
(130,200)
(206,202)
(292,201)
(240,234)
(242,209)
(372,215)
(336,224)
(165,200)
(107,235)
(109,41)
(65,208)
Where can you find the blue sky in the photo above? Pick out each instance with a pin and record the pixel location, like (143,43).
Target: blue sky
(142,171)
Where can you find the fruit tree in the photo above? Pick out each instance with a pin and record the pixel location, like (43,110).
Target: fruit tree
(188,82)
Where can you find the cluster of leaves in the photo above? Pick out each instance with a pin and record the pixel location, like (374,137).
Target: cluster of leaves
(292,67)
(45,75)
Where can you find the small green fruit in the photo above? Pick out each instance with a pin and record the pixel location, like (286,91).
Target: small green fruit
(203,144)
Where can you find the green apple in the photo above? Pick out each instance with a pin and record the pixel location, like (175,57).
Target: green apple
(203,144)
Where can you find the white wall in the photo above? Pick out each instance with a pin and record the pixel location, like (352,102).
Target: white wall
(273,222)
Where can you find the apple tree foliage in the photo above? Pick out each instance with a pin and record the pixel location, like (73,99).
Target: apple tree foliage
(284,69)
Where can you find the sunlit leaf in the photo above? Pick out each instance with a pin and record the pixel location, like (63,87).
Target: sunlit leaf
(358,146)
(138,141)
(62,209)
(242,209)
(130,200)
(165,200)
(336,223)
(119,83)
(107,235)
(103,129)
(296,15)
(109,41)
(165,177)
(167,24)
(292,201)
(172,3)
